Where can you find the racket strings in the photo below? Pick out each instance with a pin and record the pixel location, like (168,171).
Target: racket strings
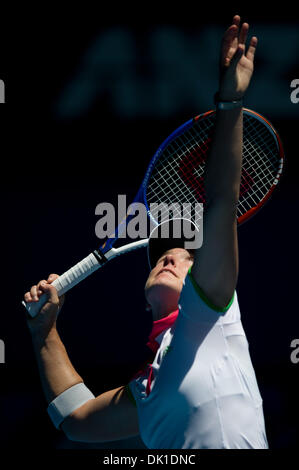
(259,160)
(178,176)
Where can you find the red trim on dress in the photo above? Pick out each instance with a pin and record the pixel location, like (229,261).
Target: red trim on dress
(158,327)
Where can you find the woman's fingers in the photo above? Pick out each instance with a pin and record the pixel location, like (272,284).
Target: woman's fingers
(230,34)
(243,33)
(252,48)
(232,38)
(27,297)
(36,291)
(52,278)
(236,20)
(51,291)
(229,38)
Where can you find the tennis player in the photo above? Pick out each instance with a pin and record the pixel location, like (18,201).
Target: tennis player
(199,390)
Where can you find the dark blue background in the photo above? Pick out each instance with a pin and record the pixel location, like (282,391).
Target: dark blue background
(87,106)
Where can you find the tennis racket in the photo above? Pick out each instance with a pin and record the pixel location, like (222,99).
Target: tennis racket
(175,174)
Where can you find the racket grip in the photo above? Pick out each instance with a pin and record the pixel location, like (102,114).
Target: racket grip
(66,281)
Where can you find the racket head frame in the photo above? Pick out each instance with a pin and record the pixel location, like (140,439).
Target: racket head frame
(186,126)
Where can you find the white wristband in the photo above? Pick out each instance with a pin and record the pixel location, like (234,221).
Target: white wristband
(67,402)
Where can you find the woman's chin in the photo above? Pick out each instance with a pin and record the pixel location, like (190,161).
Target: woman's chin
(163,297)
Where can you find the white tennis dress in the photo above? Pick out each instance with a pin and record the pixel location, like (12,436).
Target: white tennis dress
(200,392)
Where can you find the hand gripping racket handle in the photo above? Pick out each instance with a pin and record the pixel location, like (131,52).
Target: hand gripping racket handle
(80,271)
(66,281)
